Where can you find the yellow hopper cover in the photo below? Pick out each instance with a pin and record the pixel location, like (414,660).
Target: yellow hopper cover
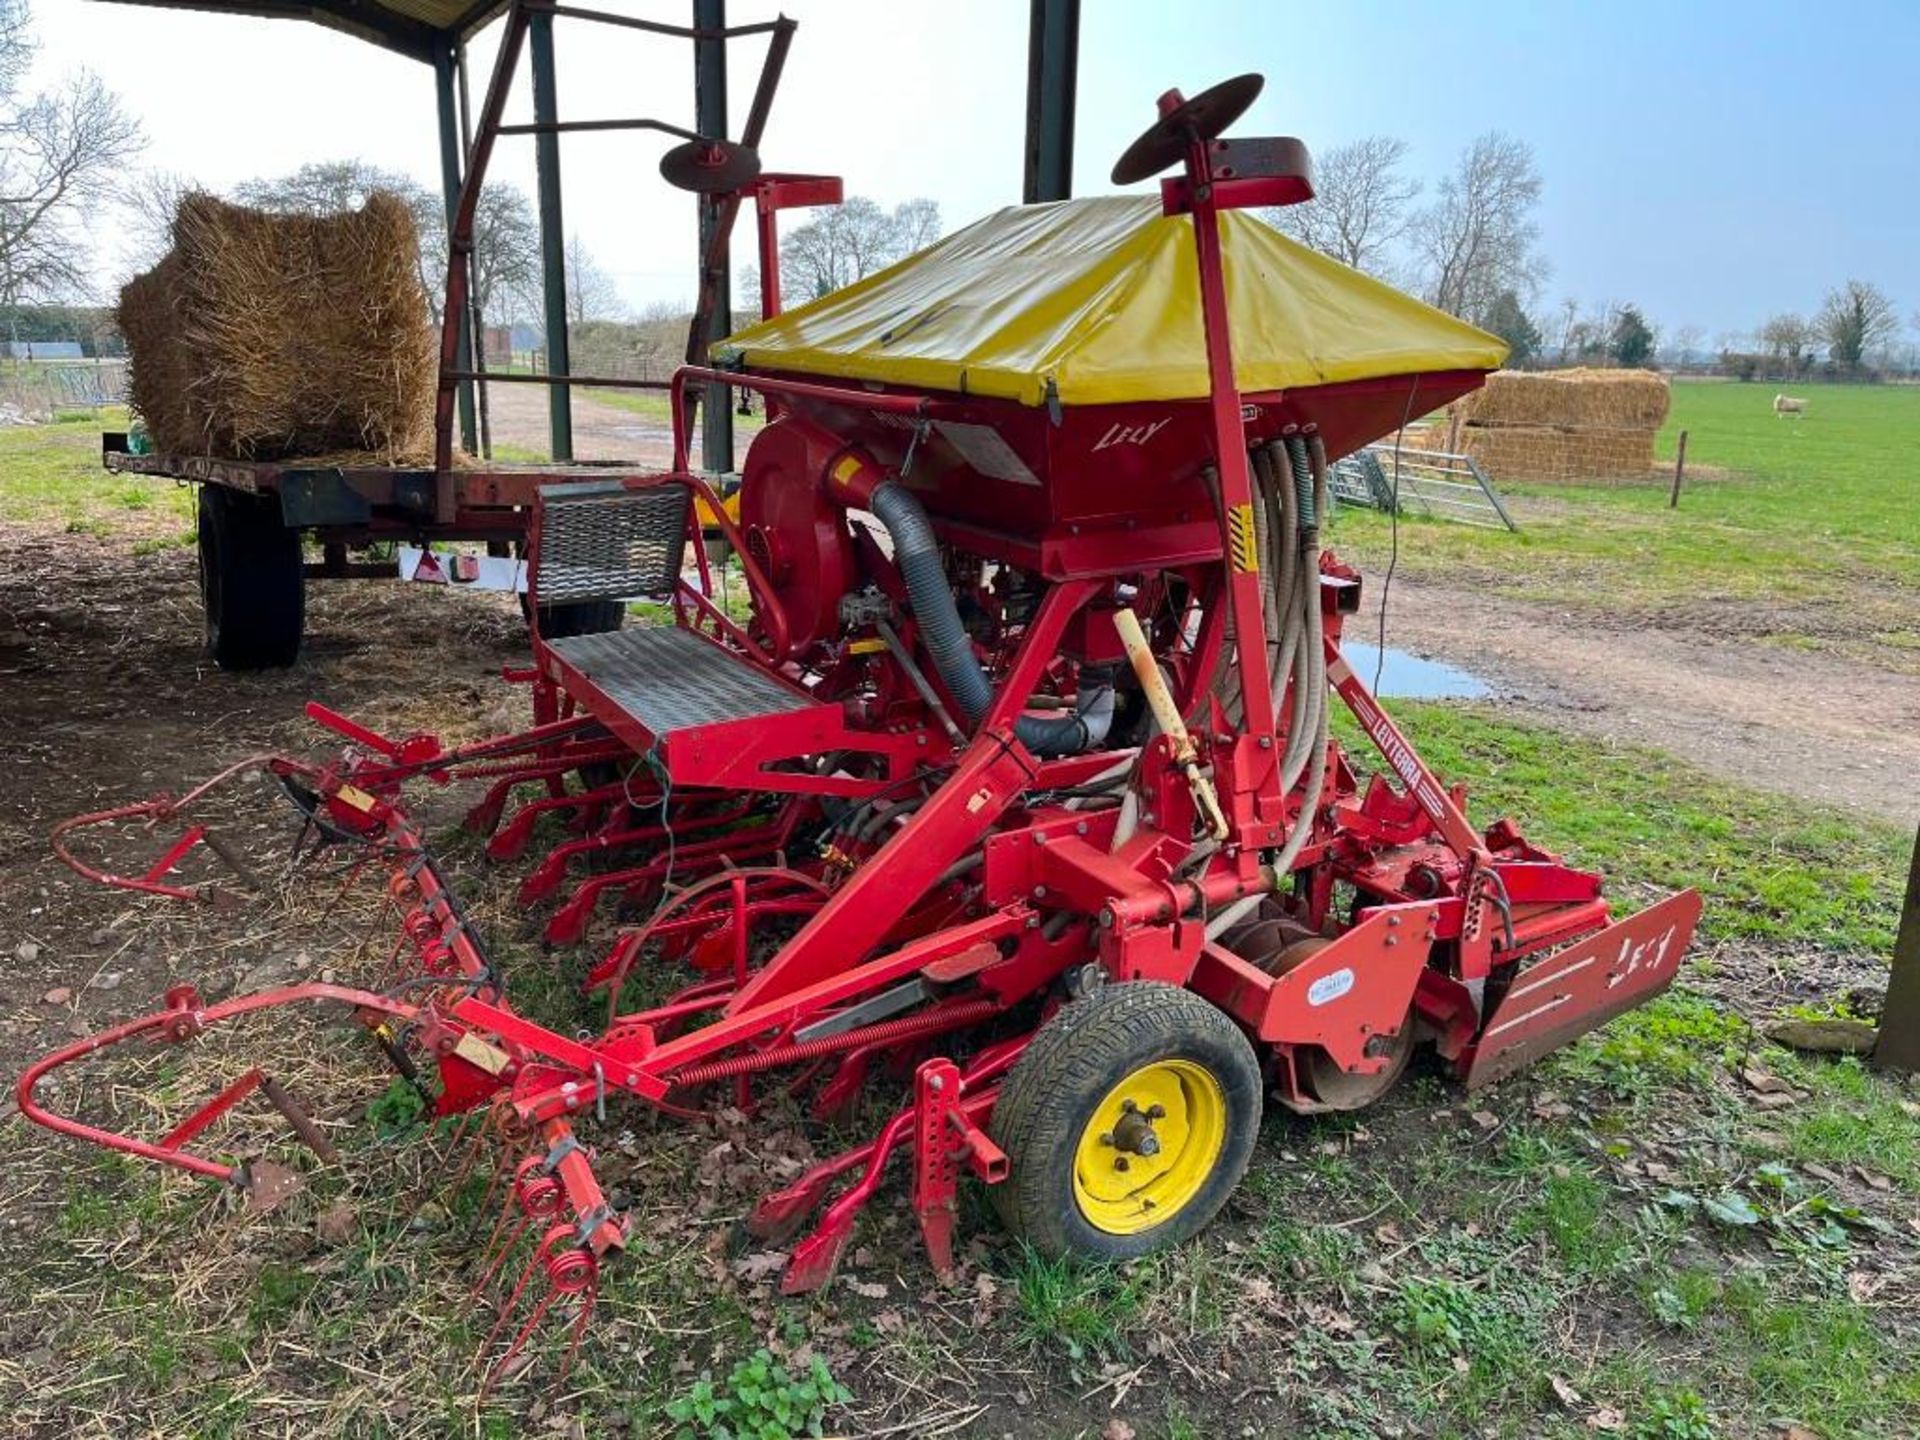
(1100,297)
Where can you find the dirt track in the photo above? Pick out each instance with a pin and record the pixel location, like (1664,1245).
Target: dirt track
(518,418)
(1800,723)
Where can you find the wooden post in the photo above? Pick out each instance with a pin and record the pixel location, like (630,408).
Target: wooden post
(1679,469)
(1899,1045)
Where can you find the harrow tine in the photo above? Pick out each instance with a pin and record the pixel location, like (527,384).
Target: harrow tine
(495,1174)
(468,1139)
(571,1270)
(507,1230)
(504,1126)
(536,1195)
(513,1304)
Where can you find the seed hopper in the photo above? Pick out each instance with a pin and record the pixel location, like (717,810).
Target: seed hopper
(1010,794)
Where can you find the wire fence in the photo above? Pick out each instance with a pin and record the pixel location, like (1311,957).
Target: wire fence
(34,392)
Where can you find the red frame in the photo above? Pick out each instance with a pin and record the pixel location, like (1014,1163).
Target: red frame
(1449,924)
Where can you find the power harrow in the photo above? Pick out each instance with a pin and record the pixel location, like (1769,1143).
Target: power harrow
(1011,793)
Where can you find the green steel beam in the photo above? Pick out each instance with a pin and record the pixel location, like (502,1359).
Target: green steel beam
(445,74)
(1053,62)
(710,119)
(553,234)
(1899,1044)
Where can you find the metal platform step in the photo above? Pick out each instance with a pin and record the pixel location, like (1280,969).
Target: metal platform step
(668,678)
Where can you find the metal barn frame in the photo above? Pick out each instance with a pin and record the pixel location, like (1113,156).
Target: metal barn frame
(436,32)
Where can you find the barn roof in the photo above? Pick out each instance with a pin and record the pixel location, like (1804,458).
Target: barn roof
(413,27)
(1096,302)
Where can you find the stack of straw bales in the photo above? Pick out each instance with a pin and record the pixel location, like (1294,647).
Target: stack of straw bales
(1562,424)
(273,337)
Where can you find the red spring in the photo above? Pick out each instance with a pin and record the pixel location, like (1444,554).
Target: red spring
(571,1272)
(536,1195)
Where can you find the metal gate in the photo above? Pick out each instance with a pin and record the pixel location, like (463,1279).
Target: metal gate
(1433,483)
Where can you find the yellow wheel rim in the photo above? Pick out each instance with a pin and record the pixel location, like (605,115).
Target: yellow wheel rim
(1149,1147)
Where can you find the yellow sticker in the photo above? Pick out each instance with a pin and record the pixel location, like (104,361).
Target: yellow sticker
(1242,549)
(871,646)
(848,467)
(356,797)
(479,1054)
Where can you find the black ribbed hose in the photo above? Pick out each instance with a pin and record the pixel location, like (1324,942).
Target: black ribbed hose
(917,552)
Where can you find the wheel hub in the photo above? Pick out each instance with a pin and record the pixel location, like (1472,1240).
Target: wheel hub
(1150,1146)
(1134,1134)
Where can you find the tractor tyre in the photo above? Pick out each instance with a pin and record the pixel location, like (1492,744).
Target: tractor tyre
(1127,1122)
(253,581)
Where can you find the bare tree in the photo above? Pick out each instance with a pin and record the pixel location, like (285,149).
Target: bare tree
(1477,238)
(1786,337)
(506,236)
(746,295)
(148,202)
(1565,322)
(591,292)
(506,255)
(1687,341)
(850,242)
(1855,319)
(60,151)
(1360,207)
(919,222)
(326,187)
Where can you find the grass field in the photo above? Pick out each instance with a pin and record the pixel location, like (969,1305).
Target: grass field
(1788,513)
(51,475)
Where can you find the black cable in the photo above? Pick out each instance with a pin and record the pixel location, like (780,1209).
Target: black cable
(1393,522)
(859,812)
(654,765)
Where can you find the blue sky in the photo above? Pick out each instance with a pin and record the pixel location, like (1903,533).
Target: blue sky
(1711,161)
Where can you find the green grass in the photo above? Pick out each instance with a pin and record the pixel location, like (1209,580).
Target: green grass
(1783,512)
(51,474)
(653,404)
(1769,868)
(1082,1307)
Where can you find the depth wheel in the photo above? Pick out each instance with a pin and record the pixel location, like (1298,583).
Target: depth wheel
(253,581)
(1325,1083)
(1127,1122)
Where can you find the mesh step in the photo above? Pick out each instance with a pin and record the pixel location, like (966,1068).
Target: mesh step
(668,678)
(603,540)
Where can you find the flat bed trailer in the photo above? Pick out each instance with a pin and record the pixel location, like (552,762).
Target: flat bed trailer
(253,515)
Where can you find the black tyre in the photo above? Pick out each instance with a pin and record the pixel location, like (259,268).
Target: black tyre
(253,583)
(1127,1122)
(585,617)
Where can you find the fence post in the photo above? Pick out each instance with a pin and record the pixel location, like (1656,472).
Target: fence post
(1898,1047)
(1679,469)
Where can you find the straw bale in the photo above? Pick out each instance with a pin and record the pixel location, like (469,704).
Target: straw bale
(1606,399)
(1549,453)
(271,337)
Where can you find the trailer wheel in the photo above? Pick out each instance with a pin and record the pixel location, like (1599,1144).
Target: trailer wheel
(583,617)
(253,583)
(1127,1122)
